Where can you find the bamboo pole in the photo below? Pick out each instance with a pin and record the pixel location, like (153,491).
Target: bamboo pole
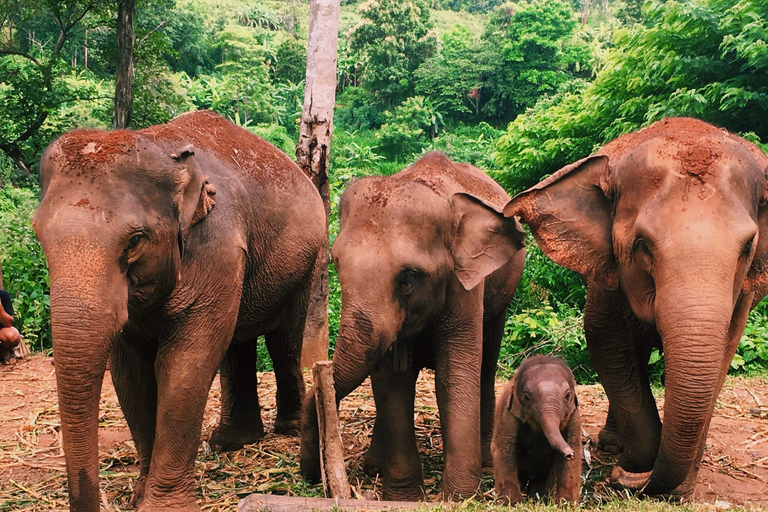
(332,468)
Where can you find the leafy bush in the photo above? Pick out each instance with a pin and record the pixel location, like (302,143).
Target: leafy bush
(277,136)
(25,273)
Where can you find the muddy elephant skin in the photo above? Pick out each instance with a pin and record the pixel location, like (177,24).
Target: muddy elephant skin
(668,226)
(170,250)
(536,443)
(427,265)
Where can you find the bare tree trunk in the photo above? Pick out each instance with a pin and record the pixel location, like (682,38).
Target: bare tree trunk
(332,467)
(124,76)
(585,12)
(312,155)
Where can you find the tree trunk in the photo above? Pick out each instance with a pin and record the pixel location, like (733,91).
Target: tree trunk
(312,155)
(124,75)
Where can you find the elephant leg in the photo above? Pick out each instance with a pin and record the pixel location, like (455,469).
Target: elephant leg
(133,375)
(394,394)
(240,422)
(493,330)
(609,438)
(623,369)
(374,457)
(185,369)
(284,346)
(458,360)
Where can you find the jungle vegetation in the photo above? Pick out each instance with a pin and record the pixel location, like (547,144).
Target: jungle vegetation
(518,89)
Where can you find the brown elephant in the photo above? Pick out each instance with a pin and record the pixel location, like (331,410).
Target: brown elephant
(536,443)
(427,265)
(668,227)
(170,250)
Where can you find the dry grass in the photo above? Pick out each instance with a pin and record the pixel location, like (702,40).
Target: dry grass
(32,473)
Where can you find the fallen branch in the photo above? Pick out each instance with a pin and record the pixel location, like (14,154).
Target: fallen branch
(274,503)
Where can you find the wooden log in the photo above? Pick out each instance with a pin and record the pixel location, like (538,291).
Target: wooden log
(273,503)
(332,468)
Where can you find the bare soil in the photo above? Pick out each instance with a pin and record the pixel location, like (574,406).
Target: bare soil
(734,469)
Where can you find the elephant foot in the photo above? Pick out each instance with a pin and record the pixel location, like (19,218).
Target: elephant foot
(137,496)
(608,440)
(309,466)
(226,439)
(288,426)
(413,492)
(372,463)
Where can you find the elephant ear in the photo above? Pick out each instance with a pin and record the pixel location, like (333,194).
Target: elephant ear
(194,195)
(484,240)
(571,218)
(757,276)
(515,406)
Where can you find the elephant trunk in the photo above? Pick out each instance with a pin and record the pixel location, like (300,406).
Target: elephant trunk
(693,321)
(353,360)
(87,310)
(550,425)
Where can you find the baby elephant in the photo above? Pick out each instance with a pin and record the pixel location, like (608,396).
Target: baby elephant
(537,433)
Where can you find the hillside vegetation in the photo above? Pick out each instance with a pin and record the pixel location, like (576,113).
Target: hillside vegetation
(518,89)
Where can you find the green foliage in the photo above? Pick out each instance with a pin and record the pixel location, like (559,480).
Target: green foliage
(703,60)
(545,331)
(290,63)
(530,51)
(275,135)
(355,110)
(470,144)
(25,273)
(752,354)
(453,76)
(392,39)
(407,131)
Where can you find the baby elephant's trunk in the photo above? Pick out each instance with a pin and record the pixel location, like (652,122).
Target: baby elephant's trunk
(550,424)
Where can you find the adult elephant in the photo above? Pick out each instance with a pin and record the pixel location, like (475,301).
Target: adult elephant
(668,226)
(170,250)
(427,265)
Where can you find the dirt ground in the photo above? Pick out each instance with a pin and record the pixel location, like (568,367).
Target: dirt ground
(734,469)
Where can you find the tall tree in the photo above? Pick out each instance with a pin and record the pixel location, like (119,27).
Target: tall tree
(312,154)
(393,38)
(33,39)
(126,9)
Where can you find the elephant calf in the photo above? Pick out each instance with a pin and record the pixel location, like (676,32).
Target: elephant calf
(171,250)
(427,265)
(537,433)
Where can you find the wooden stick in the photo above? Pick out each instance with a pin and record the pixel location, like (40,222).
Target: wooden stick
(274,503)
(332,467)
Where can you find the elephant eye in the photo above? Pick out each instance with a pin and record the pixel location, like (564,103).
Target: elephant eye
(407,280)
(527,396)
(642,246)
(134,241)
(568,396)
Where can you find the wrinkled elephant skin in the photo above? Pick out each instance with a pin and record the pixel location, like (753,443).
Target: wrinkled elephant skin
(171,249)
(668,227)
(427,265)
(536,443)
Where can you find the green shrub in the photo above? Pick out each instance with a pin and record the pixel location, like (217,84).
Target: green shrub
(25,273)
(277,136)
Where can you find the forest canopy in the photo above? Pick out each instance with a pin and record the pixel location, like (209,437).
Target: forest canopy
(519,89)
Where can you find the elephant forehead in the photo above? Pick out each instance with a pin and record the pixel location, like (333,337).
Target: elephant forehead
(87,152)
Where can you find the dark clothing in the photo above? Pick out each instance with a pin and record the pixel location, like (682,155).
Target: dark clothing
(5,298)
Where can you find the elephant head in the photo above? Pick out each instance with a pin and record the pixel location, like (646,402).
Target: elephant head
(402,253)
(115,213)
(544,397)
(675,217)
